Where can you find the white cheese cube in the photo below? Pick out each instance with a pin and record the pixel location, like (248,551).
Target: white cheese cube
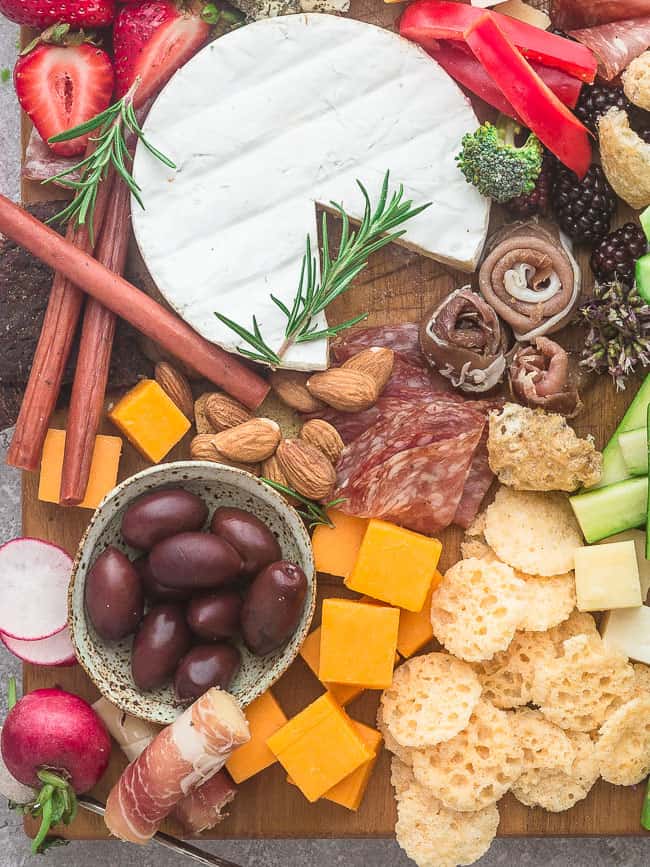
(607,576)
(628,631)
(638,537)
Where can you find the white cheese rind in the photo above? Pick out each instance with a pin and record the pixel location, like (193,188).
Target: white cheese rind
(607,577)
(628,631)
(272,118)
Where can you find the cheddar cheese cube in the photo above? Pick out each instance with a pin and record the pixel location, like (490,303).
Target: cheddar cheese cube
(319,747)
(358,643)
(415,628)
(150,420)
(265,717)
(395,565)
(350,791)
(310,652)
(103,469)
(336,548)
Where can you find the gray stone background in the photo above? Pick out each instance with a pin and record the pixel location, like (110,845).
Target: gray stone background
(14,852)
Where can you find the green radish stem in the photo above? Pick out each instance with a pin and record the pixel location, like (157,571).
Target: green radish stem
(645,812)
(12,696)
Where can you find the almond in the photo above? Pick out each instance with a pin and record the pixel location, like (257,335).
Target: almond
(377,362)
(306,468)
(201,421)
(344,389)
(325,437)
(290,387)
(224,412)
(202,448)
(250,442)
(272,470)
(176,387)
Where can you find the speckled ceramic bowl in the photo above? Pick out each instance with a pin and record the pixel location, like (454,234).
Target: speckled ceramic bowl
(108,663)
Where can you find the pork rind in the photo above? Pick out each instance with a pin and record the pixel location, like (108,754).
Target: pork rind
(641,677)
(508,679)
(476,547)
(535,533)
(584,684)
(623,745)
(636,81)
(579,623)
(477,609)
(555,790)
(430,700)
(534,450)
(433,836)
(477,767)
(545,745)
(403,754)
(549,601)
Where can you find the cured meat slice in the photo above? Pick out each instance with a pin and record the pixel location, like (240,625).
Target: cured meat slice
(615,45)
(403,339)
(180,759)
(40,163)
(204,807)
(478,482)
(567,14)
(419,488)
(408,376)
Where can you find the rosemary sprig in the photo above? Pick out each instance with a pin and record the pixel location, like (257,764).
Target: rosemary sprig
(313,512)
(115,126)
(336,274)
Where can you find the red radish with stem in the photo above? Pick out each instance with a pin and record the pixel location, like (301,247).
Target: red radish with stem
(54,741)
(33,589)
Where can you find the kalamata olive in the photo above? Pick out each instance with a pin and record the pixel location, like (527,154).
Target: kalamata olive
(198,561)
(273,607)
(215,616)
(153,590)
(161,642)
(204,666)
(114,597)
(248,535)
(156,516)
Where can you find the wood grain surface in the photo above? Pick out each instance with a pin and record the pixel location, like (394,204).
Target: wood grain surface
(398,286)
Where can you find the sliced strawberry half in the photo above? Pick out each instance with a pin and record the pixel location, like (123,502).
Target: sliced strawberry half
(60,86)
(151,40)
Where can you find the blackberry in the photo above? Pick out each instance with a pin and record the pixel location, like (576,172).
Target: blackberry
(615,256)
(584,207)
(596,100)
(537,202)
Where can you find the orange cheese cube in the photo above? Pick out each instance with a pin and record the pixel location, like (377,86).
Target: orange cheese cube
(395,565)
(358,643)
(415,627)
(310,652)
(336,549)
(319,747)
(103,469)
(350,791)
(150,420)
(265,717)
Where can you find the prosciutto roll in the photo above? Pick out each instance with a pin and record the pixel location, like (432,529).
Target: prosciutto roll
(204,808)
(530,278)
(542,376)
(180,759)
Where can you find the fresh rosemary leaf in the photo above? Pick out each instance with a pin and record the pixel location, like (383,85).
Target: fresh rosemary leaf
(315,514)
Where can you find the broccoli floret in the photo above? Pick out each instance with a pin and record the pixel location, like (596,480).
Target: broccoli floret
(499,169)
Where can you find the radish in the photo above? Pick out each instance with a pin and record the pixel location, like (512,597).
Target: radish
(33,589)
(54,741)
(55,650)
(14,791)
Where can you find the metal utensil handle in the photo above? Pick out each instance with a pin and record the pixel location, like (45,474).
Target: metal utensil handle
(166,840)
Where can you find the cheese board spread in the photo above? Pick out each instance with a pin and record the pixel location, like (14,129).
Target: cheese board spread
(400,585)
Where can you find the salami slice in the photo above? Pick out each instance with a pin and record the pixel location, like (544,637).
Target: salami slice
(568,14)
(403,339)
(478,482)
(615,45)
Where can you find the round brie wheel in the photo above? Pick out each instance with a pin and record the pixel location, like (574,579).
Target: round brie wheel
(271,119)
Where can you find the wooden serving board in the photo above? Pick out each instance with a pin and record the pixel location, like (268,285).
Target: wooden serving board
(398,286)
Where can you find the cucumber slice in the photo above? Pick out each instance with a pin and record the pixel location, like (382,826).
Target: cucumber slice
(603,512)
(647,519)
(645,222)
(643,276)
(614,468)
(634,448)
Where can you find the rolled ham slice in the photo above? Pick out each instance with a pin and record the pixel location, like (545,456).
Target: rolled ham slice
(204,808)
(181,758)
(616,45)
(530,278)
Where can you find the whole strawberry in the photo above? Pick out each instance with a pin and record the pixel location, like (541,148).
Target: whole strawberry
(151,40)
(45,13)
(62,80)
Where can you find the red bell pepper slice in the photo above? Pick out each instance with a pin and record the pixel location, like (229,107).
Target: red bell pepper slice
(425,20)
(459,62)
(539,108)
